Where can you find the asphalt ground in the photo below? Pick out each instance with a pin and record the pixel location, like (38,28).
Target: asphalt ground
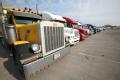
(96,58)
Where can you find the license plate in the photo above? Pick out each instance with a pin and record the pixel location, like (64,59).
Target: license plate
(56,56)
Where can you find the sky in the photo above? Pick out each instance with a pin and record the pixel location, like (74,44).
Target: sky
(96,12)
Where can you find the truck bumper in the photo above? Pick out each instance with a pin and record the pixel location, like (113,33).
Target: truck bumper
(74,41)
(32,69)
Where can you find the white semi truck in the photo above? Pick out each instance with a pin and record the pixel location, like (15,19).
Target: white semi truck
(71,35)
(34,43)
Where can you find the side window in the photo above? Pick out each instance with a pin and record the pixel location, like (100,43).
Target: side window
(10,21)
(69,25)
(65,24)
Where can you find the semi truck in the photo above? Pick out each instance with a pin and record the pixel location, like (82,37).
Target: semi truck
(71,35)
(92,27)
(33,42)
(74,24)
(81,25)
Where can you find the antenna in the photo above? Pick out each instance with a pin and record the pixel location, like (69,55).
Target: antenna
(37,6)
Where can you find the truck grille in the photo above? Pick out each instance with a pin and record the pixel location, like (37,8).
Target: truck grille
(76,33)
(54,37)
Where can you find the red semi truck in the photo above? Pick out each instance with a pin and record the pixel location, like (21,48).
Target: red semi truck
(74,24)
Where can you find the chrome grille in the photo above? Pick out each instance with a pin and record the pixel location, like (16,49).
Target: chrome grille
(76,33)
(54,37)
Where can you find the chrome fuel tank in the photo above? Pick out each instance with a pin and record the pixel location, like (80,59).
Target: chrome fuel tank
(11,34)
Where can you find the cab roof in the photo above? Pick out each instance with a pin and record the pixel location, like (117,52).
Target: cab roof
(21,13)
(50,16)
(68,20)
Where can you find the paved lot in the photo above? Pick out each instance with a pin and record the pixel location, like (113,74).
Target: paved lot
(96,58)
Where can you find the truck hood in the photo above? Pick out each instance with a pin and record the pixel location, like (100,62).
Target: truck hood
(81,30)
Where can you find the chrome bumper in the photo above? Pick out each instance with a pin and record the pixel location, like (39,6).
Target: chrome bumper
(32,69)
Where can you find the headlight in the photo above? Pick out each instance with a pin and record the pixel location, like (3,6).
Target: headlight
(5,11)
(67,38)
(36,48)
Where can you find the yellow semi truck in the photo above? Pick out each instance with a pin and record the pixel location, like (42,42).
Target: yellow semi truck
(34,43)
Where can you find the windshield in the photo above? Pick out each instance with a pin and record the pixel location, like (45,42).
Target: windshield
(85,27)
(20,20)
(79,26)
(75,25)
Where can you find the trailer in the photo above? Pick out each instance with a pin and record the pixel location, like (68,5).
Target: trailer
(34,43)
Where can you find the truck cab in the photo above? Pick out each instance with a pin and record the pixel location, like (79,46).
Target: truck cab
(81,25)
(74,24)
(47,16)
(71,35)
(34,43)
(93,28)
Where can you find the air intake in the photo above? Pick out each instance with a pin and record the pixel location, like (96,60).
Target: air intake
(52,36)
(76,33)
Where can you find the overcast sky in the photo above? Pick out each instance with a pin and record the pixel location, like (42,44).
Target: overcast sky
(97,12)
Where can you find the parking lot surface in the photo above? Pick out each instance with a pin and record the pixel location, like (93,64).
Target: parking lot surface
(96,58)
